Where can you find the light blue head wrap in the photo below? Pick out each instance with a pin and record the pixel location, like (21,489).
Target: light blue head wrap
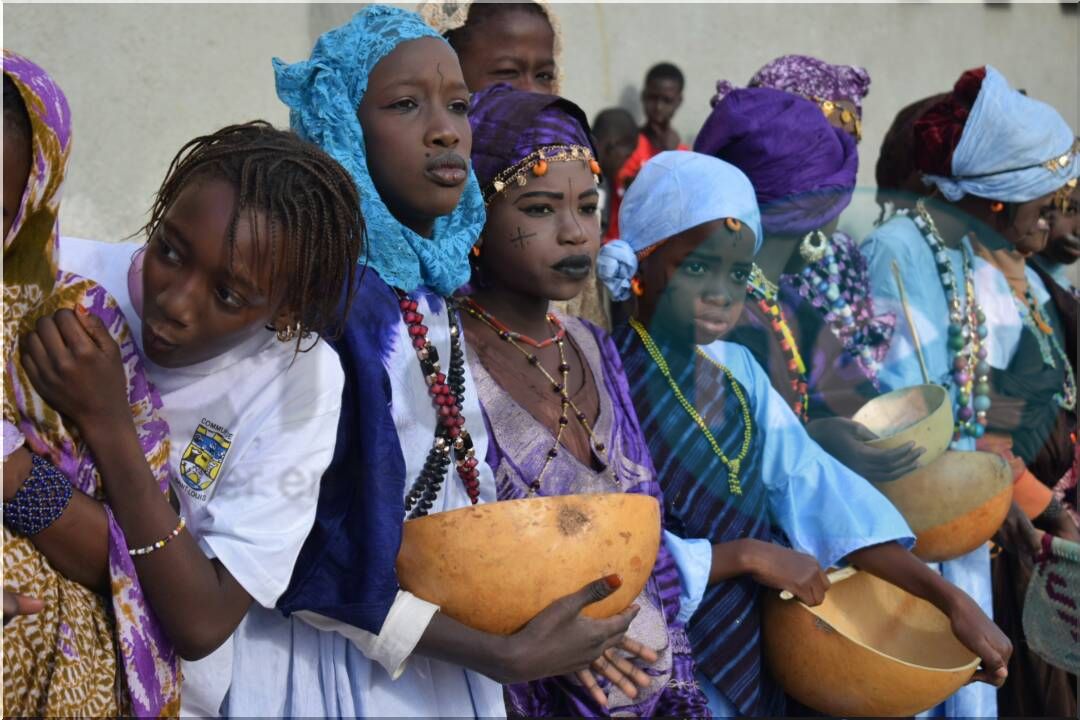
(1013,148)
(323,94)
(674,191)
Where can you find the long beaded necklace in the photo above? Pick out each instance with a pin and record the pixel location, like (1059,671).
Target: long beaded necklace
(733,465)
(836,286)
(764,293)
(448,395)
(1049,346)
(560,387)
(967,330)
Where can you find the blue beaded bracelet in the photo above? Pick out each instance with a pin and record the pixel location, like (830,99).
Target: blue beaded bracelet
(41,499)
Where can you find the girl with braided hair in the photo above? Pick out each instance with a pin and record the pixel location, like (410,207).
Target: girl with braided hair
(252,244)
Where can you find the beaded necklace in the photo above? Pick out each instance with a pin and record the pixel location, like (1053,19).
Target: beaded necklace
(448,395)
(764,293)
(1049,346)
(558,338)
(836,286)
(733,465)
(967,330)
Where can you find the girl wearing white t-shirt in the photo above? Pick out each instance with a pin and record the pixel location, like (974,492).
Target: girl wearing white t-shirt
(253,242)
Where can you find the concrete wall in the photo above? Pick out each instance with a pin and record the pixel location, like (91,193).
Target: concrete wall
(144,78)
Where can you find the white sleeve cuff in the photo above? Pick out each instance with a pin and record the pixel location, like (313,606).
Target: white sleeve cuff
(402,629)
(693,558)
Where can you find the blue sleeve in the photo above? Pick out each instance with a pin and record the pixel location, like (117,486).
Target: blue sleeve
(346,569)
(693,559)
(824,508)
(899,241)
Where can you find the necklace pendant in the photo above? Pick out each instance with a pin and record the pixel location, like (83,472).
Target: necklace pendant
(733,469)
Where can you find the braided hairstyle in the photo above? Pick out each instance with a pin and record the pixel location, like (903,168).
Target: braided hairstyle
(312,210)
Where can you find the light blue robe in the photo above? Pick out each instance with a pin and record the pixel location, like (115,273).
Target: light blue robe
(900,240)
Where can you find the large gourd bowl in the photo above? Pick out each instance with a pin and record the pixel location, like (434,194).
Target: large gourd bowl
(921,414)
(871,649)
(494,566)
(954,504)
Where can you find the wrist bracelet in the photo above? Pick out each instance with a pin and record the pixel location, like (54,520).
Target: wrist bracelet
(40,501)
(160,543)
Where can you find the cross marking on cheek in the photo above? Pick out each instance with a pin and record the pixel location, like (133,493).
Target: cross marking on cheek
(521,240)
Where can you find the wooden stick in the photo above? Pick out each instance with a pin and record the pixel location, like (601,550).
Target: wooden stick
(834,577)
(910,322)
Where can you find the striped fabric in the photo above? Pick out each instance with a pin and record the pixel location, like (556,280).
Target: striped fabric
(725,630)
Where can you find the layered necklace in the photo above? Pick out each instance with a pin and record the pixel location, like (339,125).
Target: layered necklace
(1049,347)
(559,387)
(733,465)
(967,330)
(452,441)
(764,293)
(836,286)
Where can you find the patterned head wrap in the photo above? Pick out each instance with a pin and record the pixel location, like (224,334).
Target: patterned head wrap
(515,130)
(323,94)
(991,141)
(675,191)
(803,169)
(32,289)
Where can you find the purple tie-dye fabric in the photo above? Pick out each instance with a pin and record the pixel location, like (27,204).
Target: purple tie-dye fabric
(34,288)
(809,77)
(509,125)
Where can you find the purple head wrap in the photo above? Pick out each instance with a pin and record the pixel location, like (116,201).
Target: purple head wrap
(809,77)
(802,168)
(509,125)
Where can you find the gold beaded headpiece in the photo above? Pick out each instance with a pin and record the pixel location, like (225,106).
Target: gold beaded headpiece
(536,163)
(846,116)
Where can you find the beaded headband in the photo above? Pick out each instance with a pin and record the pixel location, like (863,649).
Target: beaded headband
(1054,165)
(535,164)
(846,116)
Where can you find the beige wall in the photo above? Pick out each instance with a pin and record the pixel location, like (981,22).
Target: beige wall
(143,79)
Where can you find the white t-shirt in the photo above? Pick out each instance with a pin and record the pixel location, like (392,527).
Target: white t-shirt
(251,433)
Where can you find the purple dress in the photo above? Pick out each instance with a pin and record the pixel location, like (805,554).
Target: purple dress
(517,451)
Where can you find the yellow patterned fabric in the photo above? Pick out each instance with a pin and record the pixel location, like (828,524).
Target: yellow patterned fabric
(83,655)
(60,662)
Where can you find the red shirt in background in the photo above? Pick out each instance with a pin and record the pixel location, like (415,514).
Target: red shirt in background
(642,153)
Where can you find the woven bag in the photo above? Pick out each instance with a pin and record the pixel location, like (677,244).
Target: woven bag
(1052,604)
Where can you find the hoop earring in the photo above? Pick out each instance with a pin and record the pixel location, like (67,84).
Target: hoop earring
(288,333)
(476,250)
(637,287)
(814,246)
(997,206)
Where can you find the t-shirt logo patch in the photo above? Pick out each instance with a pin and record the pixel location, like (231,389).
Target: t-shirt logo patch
(205,454)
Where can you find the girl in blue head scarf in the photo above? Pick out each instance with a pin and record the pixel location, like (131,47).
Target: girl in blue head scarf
(384,95)
(733,460)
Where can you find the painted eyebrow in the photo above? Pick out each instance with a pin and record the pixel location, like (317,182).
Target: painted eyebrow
(591,192)
(540,193)
(420,84)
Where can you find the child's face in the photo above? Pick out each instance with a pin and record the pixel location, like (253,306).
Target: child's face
(542,239)
(202,297)
(515,47)
(614,152)
(17,158)
(661,98)
(696,282)
(416,130)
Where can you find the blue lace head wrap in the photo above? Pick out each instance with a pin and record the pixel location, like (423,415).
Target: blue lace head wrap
(323,94)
